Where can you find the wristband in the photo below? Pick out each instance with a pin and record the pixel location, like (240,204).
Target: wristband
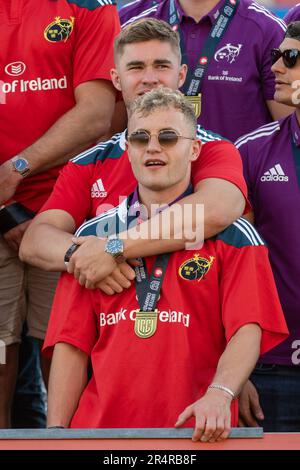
(70,252)
(224,389)
(13,215)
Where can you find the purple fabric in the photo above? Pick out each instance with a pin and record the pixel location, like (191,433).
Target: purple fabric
(236,86)
(270,173)
(293,14)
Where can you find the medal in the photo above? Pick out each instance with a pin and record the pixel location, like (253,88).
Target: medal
(145,323)
(196,102)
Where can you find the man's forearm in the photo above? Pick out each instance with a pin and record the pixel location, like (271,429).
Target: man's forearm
(72,133)
(196,217)
(68,378)
(239,358)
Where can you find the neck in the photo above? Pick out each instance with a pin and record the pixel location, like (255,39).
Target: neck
(150,198)
(197,8)
(298,115)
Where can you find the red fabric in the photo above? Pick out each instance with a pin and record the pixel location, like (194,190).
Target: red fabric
(29,112)
(74,187)
(148,382)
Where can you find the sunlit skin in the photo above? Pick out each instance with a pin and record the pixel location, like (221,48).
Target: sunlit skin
(164,183)
(146,65)
(285,77)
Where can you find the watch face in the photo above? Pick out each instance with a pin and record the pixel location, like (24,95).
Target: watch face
(21,164)
(115,246)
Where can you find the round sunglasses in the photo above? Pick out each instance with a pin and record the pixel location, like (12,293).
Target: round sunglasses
(166,138)
(289,56)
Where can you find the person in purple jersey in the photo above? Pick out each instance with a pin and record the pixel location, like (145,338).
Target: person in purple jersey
(271,158)
(230,65)
(293,14)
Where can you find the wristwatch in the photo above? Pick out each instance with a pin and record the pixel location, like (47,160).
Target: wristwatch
(20,165)
(115,247)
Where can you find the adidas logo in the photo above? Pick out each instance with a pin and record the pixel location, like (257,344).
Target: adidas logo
(275,173)
(97,190)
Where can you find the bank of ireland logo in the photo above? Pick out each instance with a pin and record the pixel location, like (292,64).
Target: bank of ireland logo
(194,269)
(228,53)
(59,30)
(14,69)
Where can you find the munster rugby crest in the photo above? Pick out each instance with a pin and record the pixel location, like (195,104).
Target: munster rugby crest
(59,30)
(194,269)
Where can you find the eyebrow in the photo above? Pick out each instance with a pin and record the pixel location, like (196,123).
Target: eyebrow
(140,62)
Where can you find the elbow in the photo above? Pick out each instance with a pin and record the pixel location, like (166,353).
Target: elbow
(25,251)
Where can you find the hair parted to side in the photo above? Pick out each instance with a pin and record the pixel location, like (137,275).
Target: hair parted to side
(163,97)
(293,31)
(144,30)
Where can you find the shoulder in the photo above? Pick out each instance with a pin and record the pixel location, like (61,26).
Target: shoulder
(138,9)
(91,4)
(113,148)
(240,234)
(207,136)
(293,14)
(260,136)
(260,16)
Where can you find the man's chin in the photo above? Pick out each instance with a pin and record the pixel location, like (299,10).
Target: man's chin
(282,98)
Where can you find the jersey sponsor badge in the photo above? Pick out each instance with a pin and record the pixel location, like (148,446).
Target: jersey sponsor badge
(194,269)
(59,30)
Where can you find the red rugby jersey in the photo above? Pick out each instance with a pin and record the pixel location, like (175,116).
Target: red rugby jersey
(47,50)
(206,296)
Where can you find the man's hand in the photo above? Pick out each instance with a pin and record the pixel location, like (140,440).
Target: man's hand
(9,180)
(249,406)
(14,236)
(119,279)
(212,415)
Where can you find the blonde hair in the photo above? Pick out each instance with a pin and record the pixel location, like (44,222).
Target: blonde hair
(163,97)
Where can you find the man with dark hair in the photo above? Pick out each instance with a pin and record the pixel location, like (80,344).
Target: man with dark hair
(225,44)
(56,100)
(181,342)
(147,55)
(271,157)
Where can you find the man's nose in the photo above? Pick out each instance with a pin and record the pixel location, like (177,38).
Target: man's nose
(150,76)
(278,66)
(153,144)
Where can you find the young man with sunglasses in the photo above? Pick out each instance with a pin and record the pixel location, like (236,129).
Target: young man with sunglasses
(147,55)
(176,345)
(271,157)
(226,45)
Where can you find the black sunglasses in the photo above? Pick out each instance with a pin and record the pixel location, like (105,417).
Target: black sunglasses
(289,56)
(165,137)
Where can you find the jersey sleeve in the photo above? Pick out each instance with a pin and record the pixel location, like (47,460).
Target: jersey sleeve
(71,192)
(72,318)
(247,170)
(219,159)
(95,34)
(249,294)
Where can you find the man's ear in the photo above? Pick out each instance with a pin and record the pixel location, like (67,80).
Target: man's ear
(182,75)
(197,146)
(115,78)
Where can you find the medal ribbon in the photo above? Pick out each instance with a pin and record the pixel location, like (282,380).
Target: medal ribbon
(296,154)
(194,78)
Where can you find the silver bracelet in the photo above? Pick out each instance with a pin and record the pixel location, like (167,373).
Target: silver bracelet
(221,387)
